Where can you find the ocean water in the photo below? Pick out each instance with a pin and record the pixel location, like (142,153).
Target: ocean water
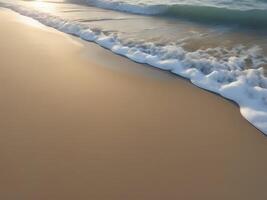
(219,45)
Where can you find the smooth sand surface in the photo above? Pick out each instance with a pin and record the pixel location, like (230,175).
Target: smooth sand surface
(79,123)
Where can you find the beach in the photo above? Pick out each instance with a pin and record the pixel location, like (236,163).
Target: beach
(78,122)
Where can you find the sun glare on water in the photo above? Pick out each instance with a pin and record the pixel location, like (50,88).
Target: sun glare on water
(43,6)
(39,6)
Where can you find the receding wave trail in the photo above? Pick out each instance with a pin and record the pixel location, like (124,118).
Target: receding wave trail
(256,18)
(235,73)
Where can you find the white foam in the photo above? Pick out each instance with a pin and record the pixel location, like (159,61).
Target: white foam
(219,70)
(149,7)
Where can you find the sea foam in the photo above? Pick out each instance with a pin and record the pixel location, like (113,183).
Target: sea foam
(220,70)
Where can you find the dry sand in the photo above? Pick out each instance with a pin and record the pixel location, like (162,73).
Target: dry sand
(79,123)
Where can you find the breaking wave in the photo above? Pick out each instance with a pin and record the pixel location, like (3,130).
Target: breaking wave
(256,18)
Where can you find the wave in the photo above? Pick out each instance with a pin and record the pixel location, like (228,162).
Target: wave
(255,18)
(220,70)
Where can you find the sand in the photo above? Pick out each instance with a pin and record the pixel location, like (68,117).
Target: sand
(78,122)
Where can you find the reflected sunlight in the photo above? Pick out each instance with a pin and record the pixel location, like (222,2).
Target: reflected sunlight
(43,6)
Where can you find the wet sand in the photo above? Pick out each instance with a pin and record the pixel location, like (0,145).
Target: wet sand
(78,122)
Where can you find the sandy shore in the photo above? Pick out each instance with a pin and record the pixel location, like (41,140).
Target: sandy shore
(78,122)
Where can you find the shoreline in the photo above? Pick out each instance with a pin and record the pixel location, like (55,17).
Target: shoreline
(78,121)
(252,109)
(172,74)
